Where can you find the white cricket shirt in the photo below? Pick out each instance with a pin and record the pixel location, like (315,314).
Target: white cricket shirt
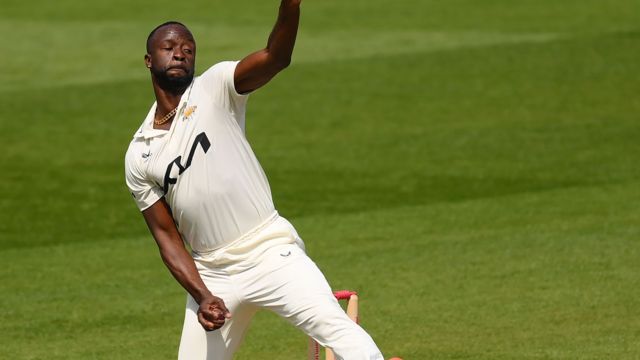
(204,167)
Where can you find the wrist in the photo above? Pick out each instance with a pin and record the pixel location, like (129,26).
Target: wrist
(287,3)
(201,294)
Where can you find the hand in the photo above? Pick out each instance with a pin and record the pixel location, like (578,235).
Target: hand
(212,313)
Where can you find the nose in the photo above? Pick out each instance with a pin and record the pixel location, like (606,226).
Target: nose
(178,55)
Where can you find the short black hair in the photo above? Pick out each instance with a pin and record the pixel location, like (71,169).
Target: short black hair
(172,22)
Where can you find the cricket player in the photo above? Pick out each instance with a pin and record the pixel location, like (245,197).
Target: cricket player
(197,182)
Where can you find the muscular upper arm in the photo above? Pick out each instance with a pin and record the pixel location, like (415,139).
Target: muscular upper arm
(160,222)
(258,68)
(255,70)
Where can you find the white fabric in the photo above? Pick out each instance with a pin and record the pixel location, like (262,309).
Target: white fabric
(248,249)
(221,202)
(286,282)
(220,191)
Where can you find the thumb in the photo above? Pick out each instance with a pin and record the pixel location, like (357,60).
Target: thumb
(227,313)
(219,306)
(223,307)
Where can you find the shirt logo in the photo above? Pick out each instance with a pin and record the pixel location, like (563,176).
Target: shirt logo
(201,139)
(188,113)
(146,155)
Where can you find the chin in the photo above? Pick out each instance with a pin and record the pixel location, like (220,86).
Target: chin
(180,81)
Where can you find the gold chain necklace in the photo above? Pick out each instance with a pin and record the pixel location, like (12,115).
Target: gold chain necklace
(166,117)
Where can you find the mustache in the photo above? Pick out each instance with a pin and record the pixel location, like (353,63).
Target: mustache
(173,83)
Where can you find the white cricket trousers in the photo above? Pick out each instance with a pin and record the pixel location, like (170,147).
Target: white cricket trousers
(288,283)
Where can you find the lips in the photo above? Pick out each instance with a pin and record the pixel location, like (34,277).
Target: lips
(177,67)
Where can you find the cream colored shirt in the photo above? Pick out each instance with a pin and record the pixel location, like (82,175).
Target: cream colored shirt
(205,168)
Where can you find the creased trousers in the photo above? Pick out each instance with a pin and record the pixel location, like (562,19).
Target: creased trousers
(287,282)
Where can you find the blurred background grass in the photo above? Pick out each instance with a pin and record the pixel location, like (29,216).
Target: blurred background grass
(469,167)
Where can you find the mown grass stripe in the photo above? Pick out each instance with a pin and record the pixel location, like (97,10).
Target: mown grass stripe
(114,49)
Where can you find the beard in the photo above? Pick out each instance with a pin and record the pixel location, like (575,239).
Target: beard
(175,84)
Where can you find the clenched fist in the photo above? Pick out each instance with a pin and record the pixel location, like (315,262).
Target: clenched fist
(212,313)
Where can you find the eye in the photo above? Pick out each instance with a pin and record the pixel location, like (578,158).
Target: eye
(188,51)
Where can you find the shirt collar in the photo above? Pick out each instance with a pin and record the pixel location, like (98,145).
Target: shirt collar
(147,131)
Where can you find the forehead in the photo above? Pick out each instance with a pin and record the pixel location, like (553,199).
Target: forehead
(172,32)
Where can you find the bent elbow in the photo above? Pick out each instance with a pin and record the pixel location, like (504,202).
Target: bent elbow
(283,63)
(286,63)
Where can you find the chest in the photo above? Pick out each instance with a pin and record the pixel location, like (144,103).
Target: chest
(201,137)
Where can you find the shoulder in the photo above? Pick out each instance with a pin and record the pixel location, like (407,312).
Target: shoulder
(219,77)
(221,69)
(219,84)
(134,155)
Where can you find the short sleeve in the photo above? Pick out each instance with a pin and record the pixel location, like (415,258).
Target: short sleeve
(145,192)
(219,82)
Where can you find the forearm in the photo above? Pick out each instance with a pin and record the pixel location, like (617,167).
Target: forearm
(212,311)
(183,269)
(258,68)
(172,250)
(283,36)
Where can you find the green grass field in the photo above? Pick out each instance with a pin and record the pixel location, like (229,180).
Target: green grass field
(470,167)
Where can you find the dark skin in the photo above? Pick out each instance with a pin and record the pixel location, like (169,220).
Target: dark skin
(171,61)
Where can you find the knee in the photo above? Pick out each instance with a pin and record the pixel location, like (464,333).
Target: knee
(356,344)
(360,353)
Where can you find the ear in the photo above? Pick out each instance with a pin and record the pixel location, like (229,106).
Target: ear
(147,60)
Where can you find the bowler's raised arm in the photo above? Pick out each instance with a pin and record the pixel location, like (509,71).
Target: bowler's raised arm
(258,68)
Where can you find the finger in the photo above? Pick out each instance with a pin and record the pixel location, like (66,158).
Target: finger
(207,318)
(206,324)
(217,310)
(218,324)
(214,314)
(213,327)
(223,307)
(221,315)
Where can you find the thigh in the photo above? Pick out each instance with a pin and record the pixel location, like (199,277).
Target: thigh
(285,271)
(221,344)
(290,284)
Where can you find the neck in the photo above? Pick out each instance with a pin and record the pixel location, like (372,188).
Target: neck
(167,98)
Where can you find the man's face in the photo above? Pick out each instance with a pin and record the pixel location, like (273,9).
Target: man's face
(172,56)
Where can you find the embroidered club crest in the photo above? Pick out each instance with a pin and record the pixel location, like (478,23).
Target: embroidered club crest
(188,113)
